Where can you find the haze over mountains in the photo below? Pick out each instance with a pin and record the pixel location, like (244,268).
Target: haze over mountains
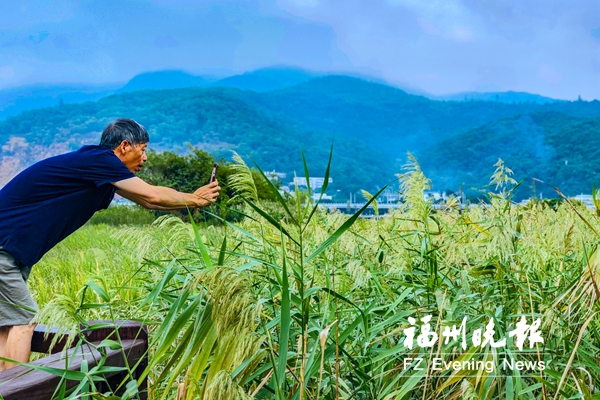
(271,114)
(18,99)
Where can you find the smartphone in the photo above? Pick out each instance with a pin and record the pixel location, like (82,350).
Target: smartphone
(213,175)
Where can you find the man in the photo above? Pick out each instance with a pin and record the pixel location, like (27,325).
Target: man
(54,197)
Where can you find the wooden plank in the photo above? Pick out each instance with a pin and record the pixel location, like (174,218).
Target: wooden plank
(127,330)
(23,383)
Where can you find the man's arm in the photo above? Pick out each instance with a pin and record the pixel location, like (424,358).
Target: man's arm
(164,198)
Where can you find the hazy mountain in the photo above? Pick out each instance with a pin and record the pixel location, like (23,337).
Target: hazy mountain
(274,78)
(266,79)
(161,80)
(14,101)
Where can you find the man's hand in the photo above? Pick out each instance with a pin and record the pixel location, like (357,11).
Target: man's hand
(208,193)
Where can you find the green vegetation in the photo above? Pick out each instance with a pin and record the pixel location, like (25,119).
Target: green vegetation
(313,305)
(188,172)
(119,215)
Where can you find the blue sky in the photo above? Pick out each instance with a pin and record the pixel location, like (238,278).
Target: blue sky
(548,47)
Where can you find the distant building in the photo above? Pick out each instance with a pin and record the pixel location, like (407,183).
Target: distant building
(316,196)
(435,196)
(586,199)
(272,175)
(389,196)
(315,183)
(286,190)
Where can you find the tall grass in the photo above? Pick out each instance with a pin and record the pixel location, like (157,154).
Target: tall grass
(311,304)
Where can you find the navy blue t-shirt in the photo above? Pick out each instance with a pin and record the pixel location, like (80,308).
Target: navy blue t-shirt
(54,197)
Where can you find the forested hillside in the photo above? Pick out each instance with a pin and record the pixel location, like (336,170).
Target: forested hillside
(388,119)
(373,126)
(215,120)
(555,148)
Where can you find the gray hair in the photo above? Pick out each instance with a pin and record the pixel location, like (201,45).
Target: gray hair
(123,129)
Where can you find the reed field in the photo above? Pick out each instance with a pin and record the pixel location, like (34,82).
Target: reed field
(295,302)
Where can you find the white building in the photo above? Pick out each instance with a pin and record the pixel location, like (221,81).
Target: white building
(316,196)
(586,199)
(285,189)
(389,196)
(315,183)
(272,175)
(435,196)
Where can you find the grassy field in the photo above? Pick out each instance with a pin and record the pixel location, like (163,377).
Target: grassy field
(317,305)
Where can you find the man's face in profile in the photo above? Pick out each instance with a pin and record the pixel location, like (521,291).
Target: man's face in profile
(133,156)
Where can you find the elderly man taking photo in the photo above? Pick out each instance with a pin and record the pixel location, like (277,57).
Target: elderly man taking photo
(53,198)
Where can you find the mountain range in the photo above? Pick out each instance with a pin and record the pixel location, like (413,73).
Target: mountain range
(18,99)
(269,115)
(15,100)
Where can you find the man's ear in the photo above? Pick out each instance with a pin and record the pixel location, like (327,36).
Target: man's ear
(122,147)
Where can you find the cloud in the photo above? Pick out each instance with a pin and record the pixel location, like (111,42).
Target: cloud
(452,39)
(423,76)
(460,34)
(20,15)
(435,17)
(441,45)
(41,36)
(6,72)
(61,42)
(428,26)
(596,33)
(489,87)
(497,75)
(165,41)
(447,12)
(306,3)
(547,73)
(103,42)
